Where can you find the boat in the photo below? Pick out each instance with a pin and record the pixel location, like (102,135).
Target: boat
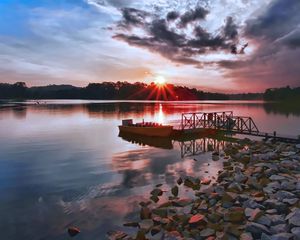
(149,129)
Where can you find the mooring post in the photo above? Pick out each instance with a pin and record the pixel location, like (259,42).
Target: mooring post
(194,120)
(274,133)
(182,121)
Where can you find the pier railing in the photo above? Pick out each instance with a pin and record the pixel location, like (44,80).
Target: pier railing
(205,120)
(224,121)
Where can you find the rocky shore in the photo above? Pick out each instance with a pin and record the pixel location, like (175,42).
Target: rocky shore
(256,196)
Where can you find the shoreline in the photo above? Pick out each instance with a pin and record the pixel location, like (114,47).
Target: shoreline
(256,196)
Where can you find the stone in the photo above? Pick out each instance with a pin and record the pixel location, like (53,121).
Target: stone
(275,204)
(287,154)
(146,224)
(115,235)
(271,211)
(296,232)
(207,232)
(250,203)
(280,195)
(198,218)
(291,201)
(255,214)
(156,192)
(277,178)
(277,219)
(279,228)
(294,218)
(235,215)
(265,237)
(145,213)
(246,236)
(73,231)
(235,187)
(205,181)
(282,236)
(275,185)
(256,229)
(264,220)
(241,178)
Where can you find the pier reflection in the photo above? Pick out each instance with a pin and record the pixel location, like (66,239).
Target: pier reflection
(199,146)
(189,146)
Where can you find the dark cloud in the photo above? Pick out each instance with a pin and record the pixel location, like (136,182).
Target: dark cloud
(176,44)
(276,36)
(279,19)
(159,30)
(173,15)
(190,16)
(132,17)
(292,40)
(230,29)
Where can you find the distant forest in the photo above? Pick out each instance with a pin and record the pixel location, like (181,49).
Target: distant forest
(282,94)
(134,91)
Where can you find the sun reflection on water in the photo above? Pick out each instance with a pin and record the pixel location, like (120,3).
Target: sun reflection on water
(160,117)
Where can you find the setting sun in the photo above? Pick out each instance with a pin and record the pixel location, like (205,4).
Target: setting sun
(160,80)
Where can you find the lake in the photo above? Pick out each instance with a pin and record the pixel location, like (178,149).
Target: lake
(63,164)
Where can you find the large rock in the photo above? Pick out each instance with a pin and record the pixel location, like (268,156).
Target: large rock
(255,214)
(282,236)
(250,203)
(235,215)
(277,178)
(280,195)
(294,218)
(296,232)
(265,237)
(264,220)
(279,228)
(277,219)
(290,201)
(246,236)
(207,232)
(256,229)
(275,204)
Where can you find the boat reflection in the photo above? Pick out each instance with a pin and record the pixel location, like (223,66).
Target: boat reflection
(189,146)
(158,142)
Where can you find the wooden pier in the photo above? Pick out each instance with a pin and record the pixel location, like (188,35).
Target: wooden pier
(226,122)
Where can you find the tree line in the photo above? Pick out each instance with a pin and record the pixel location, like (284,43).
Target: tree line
(116,91)
(285,94)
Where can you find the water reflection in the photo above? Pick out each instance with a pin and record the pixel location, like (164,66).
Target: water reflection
(286,109)
(158,142)
(199,146)
(62,163)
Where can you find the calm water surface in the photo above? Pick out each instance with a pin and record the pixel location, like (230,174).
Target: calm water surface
(62,163)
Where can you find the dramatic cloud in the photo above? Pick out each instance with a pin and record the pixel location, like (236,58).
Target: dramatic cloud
(224,45)
(132,17)
(171,16)
(275,32)
(279,19)
(176,43)
(193,15)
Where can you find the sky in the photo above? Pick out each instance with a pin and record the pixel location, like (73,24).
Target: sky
(213,45)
